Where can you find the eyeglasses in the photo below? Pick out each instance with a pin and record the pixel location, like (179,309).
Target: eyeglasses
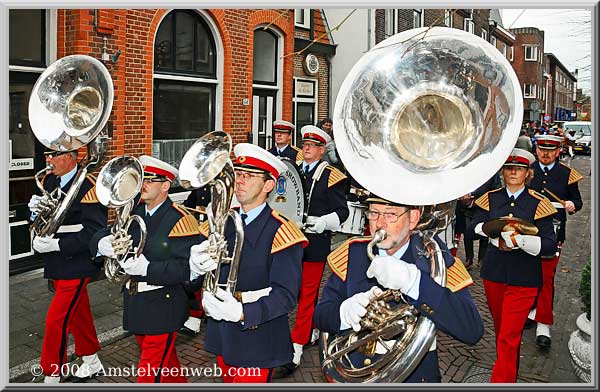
(310,145)
(389,217)
(52,155)
(244,175)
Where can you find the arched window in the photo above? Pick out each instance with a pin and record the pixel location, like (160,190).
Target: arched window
(185,84)
(265,57)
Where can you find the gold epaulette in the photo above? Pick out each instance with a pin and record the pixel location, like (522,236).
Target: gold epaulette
(335,176)
(186,226)
(90,197)
(338,259)
(574,176)
(484,201)
(296,149)
(299,157)
(204,228)
(544,207)
(287,235)
(457,276)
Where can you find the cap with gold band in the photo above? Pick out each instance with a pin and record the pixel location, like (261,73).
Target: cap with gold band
(283,126)
(315,134)
(255,159)
(549,142)
(155,169)
(519,157)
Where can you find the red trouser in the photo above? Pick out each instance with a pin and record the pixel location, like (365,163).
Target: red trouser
(198,313)
(69,312)
(239,375)
(544,310)
(509,306)
(158,353)
(312,272)
(457,238)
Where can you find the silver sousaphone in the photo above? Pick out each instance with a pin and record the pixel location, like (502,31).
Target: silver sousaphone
(423,118)
(288,194)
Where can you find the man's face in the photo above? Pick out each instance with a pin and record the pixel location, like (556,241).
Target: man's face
(63,163)
(327,127)
(282,138)
(546,156)
(312,151)
(515,175)
(251,188)
(396,221)
(154,190)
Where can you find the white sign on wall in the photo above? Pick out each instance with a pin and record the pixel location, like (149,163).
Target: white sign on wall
(21,164)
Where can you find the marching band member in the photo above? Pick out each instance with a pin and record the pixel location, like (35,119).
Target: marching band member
(512,267)
(559,183)
(401,265)
(282,132)
(251,328)
(68,263)
(327,210)
(155,302)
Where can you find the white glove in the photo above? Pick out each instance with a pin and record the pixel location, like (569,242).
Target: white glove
(355,307)
(507,237)
(33,203)
(136,265)
(200,261)
(479,230)
(45,244)
(105,247)
(531,244)
(222,306)
(396,274)
(318,224)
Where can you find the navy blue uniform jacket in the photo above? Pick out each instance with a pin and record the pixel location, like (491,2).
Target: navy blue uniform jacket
(329,195)
(74,259)
(516,267)
(170,234)
(563,182)
(290,152)
(271,257)
(451,308)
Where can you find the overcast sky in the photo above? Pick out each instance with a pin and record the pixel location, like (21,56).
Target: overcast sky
(567,34)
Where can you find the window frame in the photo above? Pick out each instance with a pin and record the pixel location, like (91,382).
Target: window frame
(534,53)
(306,13)
(469,25)
(448,18)
(494,41)
(420,12)
(44,52)
(512,53)
(393,20)
(484,34)
(532,90)
(275,68)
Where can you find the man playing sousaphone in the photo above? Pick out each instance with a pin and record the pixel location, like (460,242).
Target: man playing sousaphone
(399,264)
(155,300)
(512,267)
(559,183)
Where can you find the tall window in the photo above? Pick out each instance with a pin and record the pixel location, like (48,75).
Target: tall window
(391,22)
(27,49)
(512,53)
(469,25)
(531,53)
(484,34)
(265,57)
(185,81)
(418,18)
(448,17)
(493,40)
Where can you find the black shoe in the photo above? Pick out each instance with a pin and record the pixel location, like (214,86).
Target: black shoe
(530,323)
(284,370)
(543,341)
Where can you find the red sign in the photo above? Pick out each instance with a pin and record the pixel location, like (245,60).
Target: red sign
(547,117)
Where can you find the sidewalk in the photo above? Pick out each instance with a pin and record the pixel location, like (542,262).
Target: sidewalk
(29,299)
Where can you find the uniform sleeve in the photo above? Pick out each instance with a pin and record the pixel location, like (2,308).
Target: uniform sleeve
(454,313)
(94,216)
(337,200)
(574,195)
(176,269)
(547,235)
(327,312)
(480,215)
(285,278)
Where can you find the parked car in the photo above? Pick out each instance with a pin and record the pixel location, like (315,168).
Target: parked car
(579,134)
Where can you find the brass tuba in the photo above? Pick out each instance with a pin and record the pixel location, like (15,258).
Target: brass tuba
(70,104)
(436,111)
(119,181)
(207,163)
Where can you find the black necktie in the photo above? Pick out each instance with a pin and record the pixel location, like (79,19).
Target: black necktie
(306,169)
(545,170)
(244,216)
(511,199)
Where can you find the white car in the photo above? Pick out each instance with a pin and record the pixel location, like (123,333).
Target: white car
(580,132)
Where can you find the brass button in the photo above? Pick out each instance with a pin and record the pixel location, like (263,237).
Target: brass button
(545,173)
(512,204)
(167,295)
(543,182)
(367,362)
(510,215)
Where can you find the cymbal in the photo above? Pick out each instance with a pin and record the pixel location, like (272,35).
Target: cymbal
(495,226)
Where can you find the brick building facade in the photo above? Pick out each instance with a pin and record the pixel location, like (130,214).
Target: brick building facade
(528,63)
(561,97)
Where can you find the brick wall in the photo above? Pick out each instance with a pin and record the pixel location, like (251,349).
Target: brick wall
(132,31)
(530,72)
